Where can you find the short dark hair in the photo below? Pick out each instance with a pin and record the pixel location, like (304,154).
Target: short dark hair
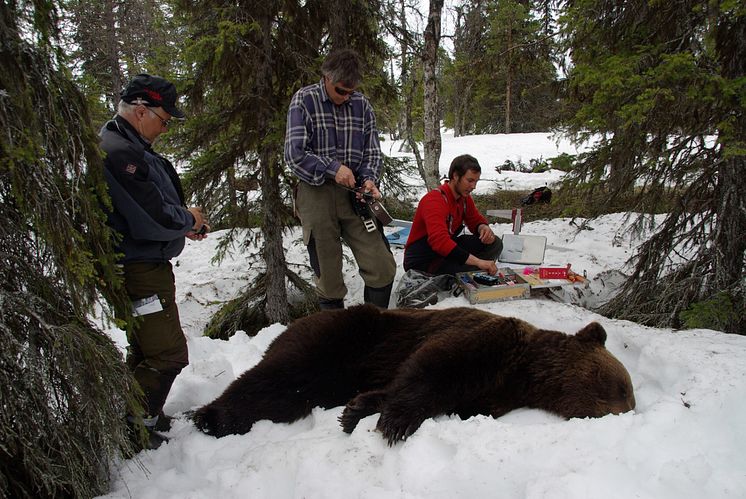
(461,164)
(343,66)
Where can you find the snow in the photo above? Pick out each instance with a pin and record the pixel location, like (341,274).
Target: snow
(685,439)
(493,150)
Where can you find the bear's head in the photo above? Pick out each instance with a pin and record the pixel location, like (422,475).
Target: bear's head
(593,382)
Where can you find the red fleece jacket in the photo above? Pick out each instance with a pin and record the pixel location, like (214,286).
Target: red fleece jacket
(434,212)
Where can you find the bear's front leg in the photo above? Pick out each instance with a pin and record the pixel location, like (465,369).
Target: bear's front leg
(456,371)
(424,387)
(407,407)
(363,405)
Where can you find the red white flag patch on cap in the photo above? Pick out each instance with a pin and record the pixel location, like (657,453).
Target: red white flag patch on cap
(130,168)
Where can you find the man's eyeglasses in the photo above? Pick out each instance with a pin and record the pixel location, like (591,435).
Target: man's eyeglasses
(165,123)
(343,92)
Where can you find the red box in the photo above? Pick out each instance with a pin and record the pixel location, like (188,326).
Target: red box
(552,272)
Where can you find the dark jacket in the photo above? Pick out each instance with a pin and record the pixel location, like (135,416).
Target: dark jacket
(146,194)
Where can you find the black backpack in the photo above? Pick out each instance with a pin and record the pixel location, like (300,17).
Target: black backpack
(540,195)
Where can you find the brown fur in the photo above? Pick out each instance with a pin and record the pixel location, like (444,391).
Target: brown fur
(410,365)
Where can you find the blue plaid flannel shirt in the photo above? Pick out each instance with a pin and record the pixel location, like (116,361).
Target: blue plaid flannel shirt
(320,136)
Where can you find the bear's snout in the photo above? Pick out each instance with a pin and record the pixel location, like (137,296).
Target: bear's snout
(621,407)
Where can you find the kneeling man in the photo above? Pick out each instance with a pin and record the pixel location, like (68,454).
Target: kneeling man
(436,243)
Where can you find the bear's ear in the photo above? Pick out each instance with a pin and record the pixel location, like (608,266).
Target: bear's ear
(593,332)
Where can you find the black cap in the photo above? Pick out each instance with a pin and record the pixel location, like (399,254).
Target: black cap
(152,91)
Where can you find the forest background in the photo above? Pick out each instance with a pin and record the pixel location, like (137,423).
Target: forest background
(660,88)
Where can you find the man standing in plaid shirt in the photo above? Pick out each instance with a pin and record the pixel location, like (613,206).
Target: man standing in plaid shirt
(331,140)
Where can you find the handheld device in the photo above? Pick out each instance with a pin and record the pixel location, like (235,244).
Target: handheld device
(486,279)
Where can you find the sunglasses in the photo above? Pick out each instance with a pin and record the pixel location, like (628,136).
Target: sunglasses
(343,92)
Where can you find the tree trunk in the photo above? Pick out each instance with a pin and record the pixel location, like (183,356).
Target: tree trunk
(277,309)
(273,252)
(409,131)
(408,89)
(112,53)
(230,174)
(730,235)
(509,76)
(460,124)
(431,108)
(508,87)
(622,160)
(730,241)
(404,77)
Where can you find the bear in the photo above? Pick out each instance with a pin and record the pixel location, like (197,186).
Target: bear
(413,364)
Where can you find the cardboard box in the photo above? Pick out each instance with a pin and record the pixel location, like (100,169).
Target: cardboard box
(485,293)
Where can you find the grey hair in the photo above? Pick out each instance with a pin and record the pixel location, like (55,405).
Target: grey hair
(125,108)
(343,66)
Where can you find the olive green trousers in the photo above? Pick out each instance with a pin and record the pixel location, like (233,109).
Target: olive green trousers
(327,217)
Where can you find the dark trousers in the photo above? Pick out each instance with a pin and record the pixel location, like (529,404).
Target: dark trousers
(420,256)
(157,349)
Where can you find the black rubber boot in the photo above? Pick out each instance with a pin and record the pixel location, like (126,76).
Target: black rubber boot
(378,296)
(143,435)
(331,304)
(144,429)
(163,423)
(155,386)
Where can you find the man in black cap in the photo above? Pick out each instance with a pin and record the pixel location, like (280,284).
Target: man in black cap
(150,214)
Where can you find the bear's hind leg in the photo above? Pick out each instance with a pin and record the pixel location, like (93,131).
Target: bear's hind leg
(363,405)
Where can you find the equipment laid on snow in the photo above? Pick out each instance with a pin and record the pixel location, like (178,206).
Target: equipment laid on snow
(523,249)
(479,287)
(419,289)
(516,283)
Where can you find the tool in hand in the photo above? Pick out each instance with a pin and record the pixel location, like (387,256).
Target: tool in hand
(362,210)
(375,206)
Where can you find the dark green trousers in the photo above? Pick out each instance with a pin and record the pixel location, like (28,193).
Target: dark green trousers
(157,349)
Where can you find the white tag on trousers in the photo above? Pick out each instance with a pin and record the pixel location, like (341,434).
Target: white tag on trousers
(146,306)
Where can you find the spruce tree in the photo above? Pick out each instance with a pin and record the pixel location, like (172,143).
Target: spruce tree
(503,78)
(64,387)
(660,86)
(465,71)
(110,41)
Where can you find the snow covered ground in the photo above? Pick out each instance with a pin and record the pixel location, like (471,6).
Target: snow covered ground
(686,438)
(493,150)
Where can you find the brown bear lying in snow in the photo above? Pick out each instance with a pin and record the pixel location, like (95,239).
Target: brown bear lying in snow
(412,364)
